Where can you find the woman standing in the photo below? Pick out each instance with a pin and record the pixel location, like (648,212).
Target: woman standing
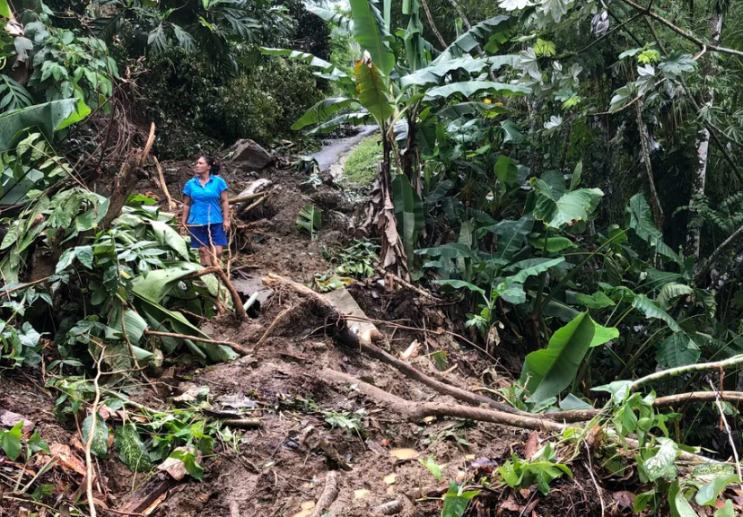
(206,211)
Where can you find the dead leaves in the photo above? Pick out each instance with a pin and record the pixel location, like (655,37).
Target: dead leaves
(68,459)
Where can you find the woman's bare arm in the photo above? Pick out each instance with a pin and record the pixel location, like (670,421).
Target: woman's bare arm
(186,211)
(225,202)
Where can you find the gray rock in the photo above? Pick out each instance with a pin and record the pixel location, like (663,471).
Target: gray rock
(250,156)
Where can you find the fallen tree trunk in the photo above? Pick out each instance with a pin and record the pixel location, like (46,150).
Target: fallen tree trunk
(417,411)
(251,192)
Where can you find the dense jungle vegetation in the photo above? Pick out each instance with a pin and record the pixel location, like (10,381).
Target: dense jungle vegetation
(568,171)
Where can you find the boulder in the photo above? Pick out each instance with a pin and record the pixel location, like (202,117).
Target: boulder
(250,156)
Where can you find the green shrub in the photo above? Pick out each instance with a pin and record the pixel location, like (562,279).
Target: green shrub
(197,109)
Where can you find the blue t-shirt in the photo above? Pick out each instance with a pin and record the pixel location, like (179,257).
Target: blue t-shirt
(205,207)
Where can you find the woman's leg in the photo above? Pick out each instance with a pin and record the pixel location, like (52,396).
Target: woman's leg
(205,256)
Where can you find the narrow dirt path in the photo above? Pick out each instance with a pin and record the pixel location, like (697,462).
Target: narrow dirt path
(283,468)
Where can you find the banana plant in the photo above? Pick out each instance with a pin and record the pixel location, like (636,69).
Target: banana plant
(398,84)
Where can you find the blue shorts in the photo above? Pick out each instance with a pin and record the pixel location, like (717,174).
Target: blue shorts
(207,235)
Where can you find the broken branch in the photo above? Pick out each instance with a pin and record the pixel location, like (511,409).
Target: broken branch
(329,493)
(417,411)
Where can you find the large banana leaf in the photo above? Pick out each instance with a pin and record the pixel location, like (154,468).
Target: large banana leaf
(547,372)
(651,310)
(511,235)
(471,88)
(573,206)
(48,117)
(637,216)
(435,74)
(337,19)
(670,292)
(323,110)
(492,27)
(373,94)
(408,212)
(359,117)
(372,34)
(455,111)
(677,350)
(157,284)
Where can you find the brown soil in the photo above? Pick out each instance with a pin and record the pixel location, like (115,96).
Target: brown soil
(271,472)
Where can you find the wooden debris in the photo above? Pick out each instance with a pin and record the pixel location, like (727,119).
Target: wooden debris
(150,493)
(390,508)
(329,493)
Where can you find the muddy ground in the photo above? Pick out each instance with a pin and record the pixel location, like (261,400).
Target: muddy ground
(280,470)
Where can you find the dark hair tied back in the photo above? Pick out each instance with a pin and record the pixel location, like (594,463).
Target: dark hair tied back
(213,165)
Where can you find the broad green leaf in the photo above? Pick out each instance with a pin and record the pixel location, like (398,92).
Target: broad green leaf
(323,110)
(575,179)
(459,284)
(10,441)
(571,207)
(677,350)
(333,17)
(551,244)
(678,504)
(511,132)
(131,449)
(372,34)
(47,117)
(80,112)
(99,447)
(432,467)
(597,300)
(677,64)
(372,90)
(619,390)
(189,461)
(360,117)
(651,310)
(135,325)
(36,444)
(570,403)
(471,88)
(167,235)
(547,372)
(435,74)
(505,169)
(408,212)
(454,111)
(537,269)
(603,335)
(496,28)
(4,9)
(511,235)
(662,464)
(726,511)
(637,216)
(455,502)
(310,219)
(158,283)
(670,292)
(707,494)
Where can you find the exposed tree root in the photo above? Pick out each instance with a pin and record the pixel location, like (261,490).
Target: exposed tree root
(363,340)
(329,493)
(417,411)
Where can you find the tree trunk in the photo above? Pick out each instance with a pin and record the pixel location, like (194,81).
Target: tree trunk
(700,179)
(409,156)
(643,129)
(393,258)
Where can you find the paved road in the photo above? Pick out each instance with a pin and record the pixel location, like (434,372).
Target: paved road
(332,152)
